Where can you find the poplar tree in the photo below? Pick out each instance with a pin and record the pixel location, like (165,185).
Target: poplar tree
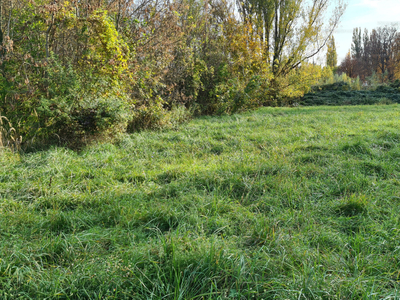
(356,46)
(293,31)
(331,55)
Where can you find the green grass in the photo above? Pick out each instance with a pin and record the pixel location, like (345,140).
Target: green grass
(280,203)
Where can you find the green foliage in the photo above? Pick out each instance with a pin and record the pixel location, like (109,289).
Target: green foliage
(336,99)
(107,52)
(148,116)
(55,97)
(331,55)
(356,84)
(69,113)
(356,45)
(77,71)
(374,81)
(385,101)
(341,93)
(342,90)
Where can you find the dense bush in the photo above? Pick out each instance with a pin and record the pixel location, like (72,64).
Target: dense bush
(51,96)
(341,93)
(75,71)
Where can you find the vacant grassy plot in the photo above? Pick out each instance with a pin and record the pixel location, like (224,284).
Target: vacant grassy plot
(300,203)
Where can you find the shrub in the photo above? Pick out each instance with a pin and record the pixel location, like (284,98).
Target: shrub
(8,135)
(384,101)
(69,108)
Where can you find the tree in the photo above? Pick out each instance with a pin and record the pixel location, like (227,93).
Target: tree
(357,52)
(347,65)
(374,53)
(331,55)
(396,58)
(366,69)
(292,30)
(386,36)
(356,46)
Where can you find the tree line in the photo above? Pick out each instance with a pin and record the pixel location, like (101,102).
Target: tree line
(374,53)
(73,70)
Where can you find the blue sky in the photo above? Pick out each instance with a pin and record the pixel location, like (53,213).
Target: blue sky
(368,14)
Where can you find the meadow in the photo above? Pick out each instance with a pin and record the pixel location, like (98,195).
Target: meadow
(277,203)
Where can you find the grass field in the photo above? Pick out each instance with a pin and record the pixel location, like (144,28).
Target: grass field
(280,203)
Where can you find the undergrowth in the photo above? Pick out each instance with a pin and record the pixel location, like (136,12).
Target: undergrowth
(342,93)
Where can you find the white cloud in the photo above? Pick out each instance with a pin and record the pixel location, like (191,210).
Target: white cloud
(381,11)
(370,3)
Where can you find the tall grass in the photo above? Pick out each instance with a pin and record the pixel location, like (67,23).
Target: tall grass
(8,135)
(279,203)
